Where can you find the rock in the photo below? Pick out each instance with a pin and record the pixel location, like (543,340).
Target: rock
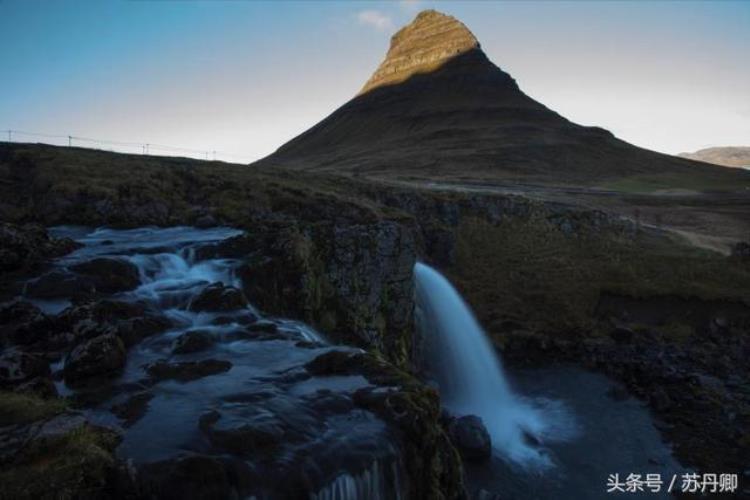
(217,297)
(741,250)
(19,367)
(470,436)
(133,330)
(352,281)
(264,326)
(101,356)
(194,477)
(193,341)
(110,275)
(25,246)
(133,409)
(43,387)
(205,222)
(409,55)
(59,284)
(187,371)
(622,335)
(23,323)
(660,400)
(242,436)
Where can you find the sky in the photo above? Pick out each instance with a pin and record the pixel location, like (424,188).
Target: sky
(241,77)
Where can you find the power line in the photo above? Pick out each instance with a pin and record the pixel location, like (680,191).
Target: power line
(144,148)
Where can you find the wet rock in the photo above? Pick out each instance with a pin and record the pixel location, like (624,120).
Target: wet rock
(23,323)
(110,275)
(59,284)
(242,435)
(470,436)
(100,356)
(195,477)
(217,297)
(132,409)
(205,222)
(193,341)
(187,371)
(133,330)
(25,246)
(19,367)
(329,402)
(263,325)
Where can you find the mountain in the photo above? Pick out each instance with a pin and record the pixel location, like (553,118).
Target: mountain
(728,156)
(438,107)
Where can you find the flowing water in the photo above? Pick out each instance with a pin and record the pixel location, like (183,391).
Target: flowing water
(469,374)
(559,434)
(331,449)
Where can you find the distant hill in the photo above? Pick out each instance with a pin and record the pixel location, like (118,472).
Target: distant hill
(437,107)
(728,156)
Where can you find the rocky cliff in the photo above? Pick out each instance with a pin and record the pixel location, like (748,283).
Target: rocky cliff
(420,47)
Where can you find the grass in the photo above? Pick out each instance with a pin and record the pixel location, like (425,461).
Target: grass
(74,466)
(530,272)
(18,408)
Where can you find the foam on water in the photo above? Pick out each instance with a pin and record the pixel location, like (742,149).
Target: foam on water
(469,372)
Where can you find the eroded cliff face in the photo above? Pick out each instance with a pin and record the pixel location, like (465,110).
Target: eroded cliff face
(422,46)
(351,281)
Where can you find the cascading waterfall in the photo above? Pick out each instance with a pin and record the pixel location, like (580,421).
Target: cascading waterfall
(469,372)
(380,481)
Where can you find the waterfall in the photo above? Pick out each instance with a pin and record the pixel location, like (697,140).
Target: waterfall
(468,371)
(380,481)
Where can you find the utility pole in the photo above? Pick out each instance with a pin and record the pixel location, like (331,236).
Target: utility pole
(70,141)
(147,148)
(214,155)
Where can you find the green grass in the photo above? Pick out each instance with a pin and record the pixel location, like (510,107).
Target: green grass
(23,408)
(528,271)
(74,466)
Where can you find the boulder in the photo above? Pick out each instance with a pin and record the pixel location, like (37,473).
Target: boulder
(470,436)
(217,297)
(19,367)
(59,284)
(132,409)
(193,341)
(101,356)
(25,246)
(110,275)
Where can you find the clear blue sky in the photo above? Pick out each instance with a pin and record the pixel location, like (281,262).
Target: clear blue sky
(245,76)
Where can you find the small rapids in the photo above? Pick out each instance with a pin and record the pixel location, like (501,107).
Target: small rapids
(316,441)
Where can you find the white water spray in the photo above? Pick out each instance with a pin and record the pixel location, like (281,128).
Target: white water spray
(468,370)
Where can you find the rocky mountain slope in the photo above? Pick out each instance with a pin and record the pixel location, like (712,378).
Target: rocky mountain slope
(437,106)
(726,156)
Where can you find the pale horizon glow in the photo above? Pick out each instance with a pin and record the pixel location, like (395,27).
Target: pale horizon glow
(242,78)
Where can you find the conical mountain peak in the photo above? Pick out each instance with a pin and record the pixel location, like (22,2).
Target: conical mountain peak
(422,46)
